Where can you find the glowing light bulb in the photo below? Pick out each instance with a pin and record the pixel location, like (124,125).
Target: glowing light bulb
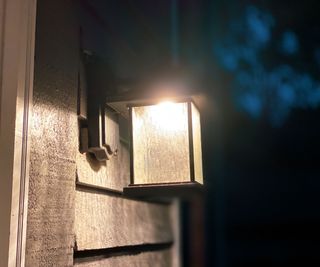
(170,116)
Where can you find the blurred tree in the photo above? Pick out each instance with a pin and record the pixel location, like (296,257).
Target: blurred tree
(265,81)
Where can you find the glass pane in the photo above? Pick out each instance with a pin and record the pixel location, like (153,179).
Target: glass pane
(161,143)
(197,151)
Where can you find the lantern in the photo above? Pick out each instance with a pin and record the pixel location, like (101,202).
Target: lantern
(165,154)
(164,120)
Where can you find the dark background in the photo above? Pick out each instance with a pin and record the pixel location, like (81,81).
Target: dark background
(258,63)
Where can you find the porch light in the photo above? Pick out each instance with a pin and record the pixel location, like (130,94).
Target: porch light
(163,117)
(165,154)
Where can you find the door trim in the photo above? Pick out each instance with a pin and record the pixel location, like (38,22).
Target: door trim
(17,43)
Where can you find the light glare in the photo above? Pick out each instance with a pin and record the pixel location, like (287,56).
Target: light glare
(170,116)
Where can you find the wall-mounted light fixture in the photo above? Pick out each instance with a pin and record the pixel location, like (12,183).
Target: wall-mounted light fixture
(165,132)
(166,152)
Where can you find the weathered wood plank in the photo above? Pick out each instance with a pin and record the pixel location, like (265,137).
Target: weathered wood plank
(146,259)
(176,223)
(50,238)
(103,221)
(54,136)
(113,174)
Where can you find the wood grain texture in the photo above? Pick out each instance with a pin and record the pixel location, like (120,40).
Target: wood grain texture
(54,137)
(113,174)
(50,236)
(112,129)
(145,259)
(176,223)
(104,221)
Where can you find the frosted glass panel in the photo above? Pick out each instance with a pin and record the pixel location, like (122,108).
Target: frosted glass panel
(160,143)
(197,151)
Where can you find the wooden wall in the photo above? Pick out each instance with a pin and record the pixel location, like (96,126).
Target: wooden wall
(77,214)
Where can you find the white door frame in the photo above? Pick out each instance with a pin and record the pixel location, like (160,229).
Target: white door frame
(17,38)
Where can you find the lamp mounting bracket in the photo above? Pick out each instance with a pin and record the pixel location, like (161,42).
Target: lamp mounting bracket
(94,81)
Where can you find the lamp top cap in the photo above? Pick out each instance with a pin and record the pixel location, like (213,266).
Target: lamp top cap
(120,103)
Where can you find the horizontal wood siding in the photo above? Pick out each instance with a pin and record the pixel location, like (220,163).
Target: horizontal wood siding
(73,205)
(145,259)
(53,137)
(104,221)
(113,174)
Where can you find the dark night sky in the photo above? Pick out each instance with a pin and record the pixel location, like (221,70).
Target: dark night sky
(259,63)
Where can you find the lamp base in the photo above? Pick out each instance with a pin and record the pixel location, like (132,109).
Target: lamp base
(185,190)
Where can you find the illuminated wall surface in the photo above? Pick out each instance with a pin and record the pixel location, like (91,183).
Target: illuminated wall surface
(161,143)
